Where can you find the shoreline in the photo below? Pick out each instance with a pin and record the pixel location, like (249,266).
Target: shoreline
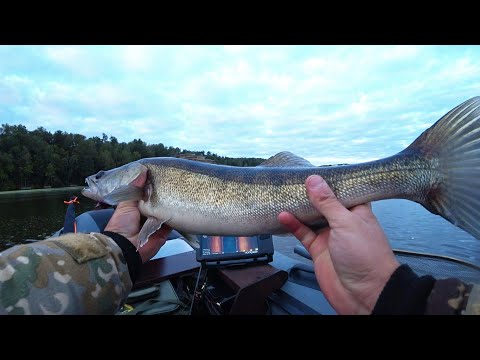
(33,191)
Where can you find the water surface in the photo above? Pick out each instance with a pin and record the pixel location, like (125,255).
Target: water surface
(410,226)
(35,214)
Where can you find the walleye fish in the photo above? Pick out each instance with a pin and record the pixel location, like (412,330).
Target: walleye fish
(439,170)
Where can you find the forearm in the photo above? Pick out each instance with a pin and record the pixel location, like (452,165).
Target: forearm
(71,274)
(408,294)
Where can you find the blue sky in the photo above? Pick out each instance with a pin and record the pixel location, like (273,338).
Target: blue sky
(329,104)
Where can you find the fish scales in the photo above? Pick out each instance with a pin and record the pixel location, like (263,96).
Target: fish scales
(248,200)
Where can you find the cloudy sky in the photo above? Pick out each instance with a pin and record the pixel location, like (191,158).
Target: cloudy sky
(329,104)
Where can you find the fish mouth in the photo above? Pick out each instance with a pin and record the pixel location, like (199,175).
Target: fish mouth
(91,190)
(87,192)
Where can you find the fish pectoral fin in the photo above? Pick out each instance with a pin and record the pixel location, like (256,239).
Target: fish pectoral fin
(151,225)
(124,193)
(191,239)
(286,159)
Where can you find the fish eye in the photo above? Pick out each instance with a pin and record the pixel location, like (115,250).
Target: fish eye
(99,174)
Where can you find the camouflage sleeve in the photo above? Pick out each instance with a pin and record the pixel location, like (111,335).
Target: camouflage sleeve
(453,297)
(72,274)
(407,293)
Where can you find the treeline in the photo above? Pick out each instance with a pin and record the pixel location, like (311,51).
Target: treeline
(39,158)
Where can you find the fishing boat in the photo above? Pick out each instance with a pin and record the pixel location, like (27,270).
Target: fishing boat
(285,284)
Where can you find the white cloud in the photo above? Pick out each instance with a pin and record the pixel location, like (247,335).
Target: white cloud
(360,141)
(460,69)
(90,121)
(314,65)
(230,76)
(137,57)
(235,48)
(66,55)
(331,104)
(361,107)
(13,89)
(402,52)
(73,58)
(103,95)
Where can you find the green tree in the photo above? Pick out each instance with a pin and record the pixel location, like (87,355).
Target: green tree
(6,171)
(37,158)
(25,167)
(50,174)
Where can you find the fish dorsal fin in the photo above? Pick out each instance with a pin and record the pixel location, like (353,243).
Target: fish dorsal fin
(286,159)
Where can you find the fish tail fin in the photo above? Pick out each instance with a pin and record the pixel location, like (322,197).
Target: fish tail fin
(452,145)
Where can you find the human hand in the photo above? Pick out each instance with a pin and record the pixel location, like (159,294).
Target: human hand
(126,221)
(352,257)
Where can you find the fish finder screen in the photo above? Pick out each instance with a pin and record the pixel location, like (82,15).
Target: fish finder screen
(212,245)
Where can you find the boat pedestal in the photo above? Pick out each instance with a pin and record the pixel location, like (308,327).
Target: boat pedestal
(252,285)
(174,266)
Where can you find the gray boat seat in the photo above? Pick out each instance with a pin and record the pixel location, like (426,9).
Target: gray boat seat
(96,220)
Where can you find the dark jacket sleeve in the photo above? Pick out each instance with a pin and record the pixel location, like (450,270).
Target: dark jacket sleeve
(130,254)
(406,293)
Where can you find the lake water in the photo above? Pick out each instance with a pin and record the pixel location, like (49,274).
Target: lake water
(35,214)
(409,226)
(26,215)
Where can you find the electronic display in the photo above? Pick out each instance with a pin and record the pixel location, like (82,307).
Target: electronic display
(221,249)
(229,245)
